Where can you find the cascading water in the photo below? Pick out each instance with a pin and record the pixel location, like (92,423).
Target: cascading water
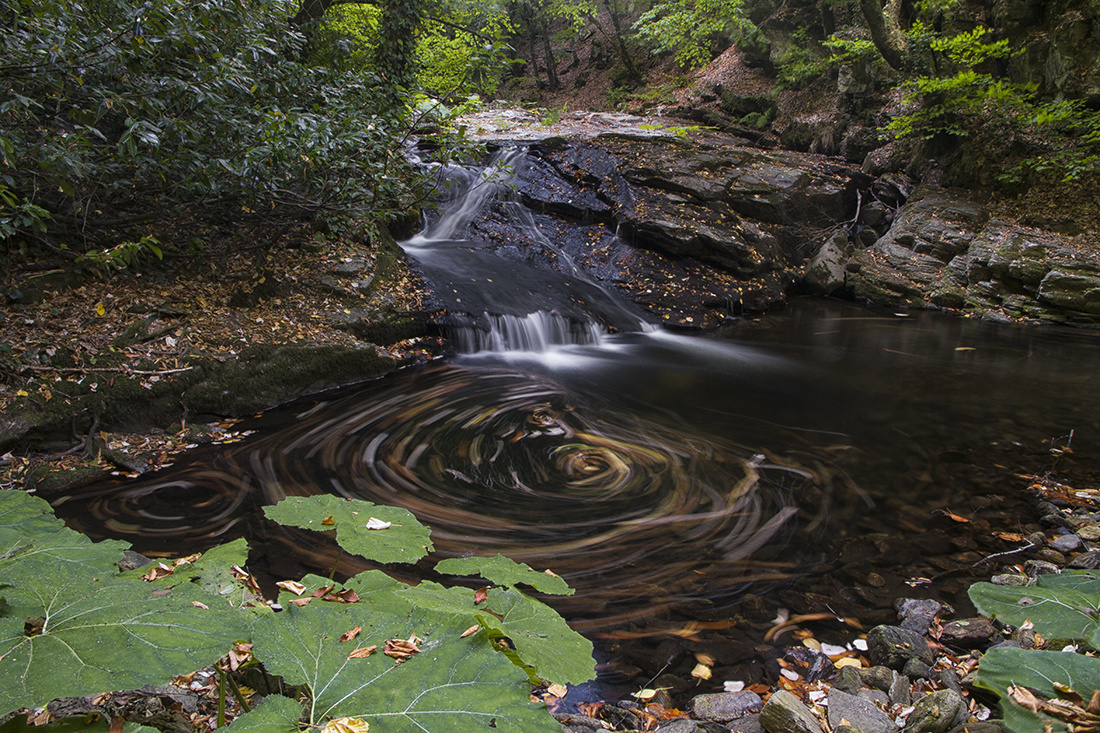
(526,295)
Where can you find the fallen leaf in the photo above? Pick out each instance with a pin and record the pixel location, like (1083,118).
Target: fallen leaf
(480,595)
(293,586)
(401,649)
(351,633)
(346,725)
(363,652)
(375,523)
(470,630)
(328,521)
(701,672)
(557,690)
(203,606)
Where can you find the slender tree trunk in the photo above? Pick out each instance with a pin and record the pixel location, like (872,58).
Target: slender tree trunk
(620,39)
(552,81)
(886,31)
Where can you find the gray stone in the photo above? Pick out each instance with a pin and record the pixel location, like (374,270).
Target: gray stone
(969,633)
(725,706)
(747,724)
(878,677)
(848,679)
(825,272)
(899,688)
(936,712)
(1071,290)
(917,668)
(1011,579)
(892,646)
(1040,567)
(784,713)
(861,714)
(876,696)
(683,725)
(1086,561)
(917,614)
(1066,543)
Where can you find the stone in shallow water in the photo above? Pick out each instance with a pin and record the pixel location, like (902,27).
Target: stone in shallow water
(1086,561)
(725,706)
(969,633)
(893,646)
(784,713)
(1066,543)
(861,714)
(936,712)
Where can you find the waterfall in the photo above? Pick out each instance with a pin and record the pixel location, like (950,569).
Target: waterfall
(523,293)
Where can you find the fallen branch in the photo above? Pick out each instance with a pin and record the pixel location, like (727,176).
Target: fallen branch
(120,370)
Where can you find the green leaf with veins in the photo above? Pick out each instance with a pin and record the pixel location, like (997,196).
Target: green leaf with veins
(1062,607)
(99,632)
(505,571)
(1004,667)
(404,540)
(454,683)
(541,637)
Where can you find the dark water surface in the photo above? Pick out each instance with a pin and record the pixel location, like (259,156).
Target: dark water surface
(825,458)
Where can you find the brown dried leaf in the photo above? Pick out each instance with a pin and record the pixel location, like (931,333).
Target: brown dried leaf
(481,595)
(471,630)
(363,652)
(351,633)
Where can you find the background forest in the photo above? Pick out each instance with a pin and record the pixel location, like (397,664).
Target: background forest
(130,129)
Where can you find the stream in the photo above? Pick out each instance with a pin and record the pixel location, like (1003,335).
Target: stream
(826,456)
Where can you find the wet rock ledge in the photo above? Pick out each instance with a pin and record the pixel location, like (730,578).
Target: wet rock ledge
(748,227)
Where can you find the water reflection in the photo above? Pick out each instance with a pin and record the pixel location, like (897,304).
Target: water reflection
(655,471)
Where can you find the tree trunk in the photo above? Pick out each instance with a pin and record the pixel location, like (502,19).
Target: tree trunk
(886,31)
(552,81)
(624,52)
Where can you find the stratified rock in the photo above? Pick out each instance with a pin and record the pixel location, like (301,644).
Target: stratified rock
(861,714)
(725,706)
(943,250)
(936,712)
(784,713)
(892,646)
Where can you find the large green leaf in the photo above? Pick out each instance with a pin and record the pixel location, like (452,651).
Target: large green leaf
(505,571)
(100,633)
(404,540)
(1005,667)
(275,713)
(541,637)
(1060,606)
(22,513)
(455,683)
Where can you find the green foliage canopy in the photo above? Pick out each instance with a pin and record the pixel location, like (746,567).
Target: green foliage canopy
(118,116)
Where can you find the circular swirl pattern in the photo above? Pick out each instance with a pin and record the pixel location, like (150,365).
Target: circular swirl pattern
(638,516)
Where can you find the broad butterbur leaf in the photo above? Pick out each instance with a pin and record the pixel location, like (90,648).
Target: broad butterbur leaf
(1001,669)
(504,571)
(1061,606)
(404,540)
(453,684)
(101,633)
(541,637)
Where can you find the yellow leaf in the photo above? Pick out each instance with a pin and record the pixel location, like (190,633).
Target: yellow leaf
(22,393)
(346,725)
(99,309)
(328,521)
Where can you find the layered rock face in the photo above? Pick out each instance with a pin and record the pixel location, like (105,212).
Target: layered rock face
(710,226)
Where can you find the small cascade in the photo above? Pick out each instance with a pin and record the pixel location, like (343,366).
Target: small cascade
(524,294)
(535,332)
